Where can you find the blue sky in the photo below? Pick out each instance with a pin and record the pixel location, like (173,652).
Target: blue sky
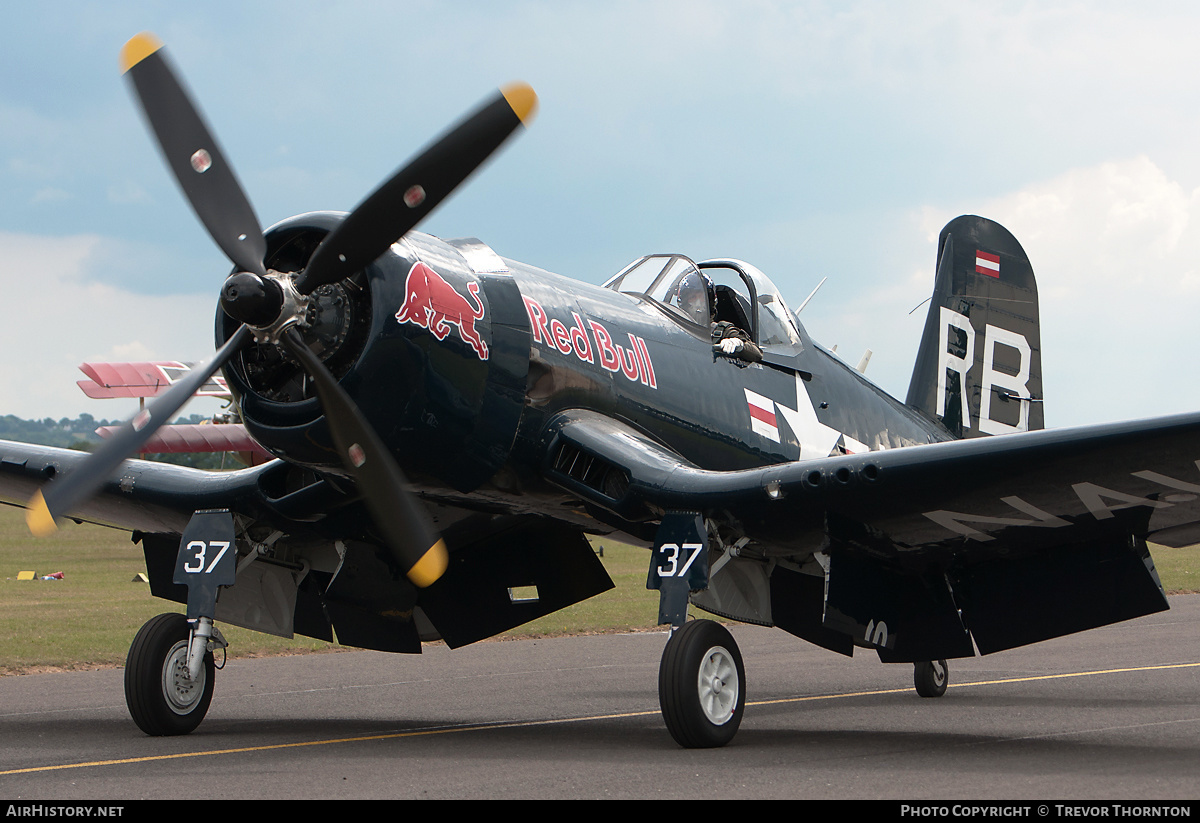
(811,139)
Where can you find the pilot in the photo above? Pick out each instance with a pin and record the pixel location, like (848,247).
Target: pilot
(698,299)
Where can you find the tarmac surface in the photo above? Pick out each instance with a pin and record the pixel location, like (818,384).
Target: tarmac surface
(1110,714)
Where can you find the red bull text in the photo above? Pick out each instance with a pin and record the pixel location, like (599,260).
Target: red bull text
(633,362)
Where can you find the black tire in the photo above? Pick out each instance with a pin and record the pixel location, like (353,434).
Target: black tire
(161,698)
(931,678)
(702,685)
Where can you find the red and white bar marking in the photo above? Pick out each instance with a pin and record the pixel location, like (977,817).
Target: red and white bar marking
(762,415)
(987,263)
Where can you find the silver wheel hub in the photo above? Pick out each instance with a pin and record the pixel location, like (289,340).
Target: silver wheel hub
(718,686)
(180,691)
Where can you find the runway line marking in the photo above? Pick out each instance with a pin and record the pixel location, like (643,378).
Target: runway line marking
(365,738)
(1028,679)
(531,723)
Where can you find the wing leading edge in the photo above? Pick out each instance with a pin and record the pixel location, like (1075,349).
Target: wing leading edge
(928,551)
(141,496)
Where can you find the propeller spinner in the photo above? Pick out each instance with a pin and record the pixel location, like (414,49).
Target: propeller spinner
(271,305)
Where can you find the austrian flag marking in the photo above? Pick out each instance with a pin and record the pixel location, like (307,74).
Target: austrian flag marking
(987,263)
(762,415)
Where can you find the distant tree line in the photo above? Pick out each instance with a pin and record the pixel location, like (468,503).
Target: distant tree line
(80,434)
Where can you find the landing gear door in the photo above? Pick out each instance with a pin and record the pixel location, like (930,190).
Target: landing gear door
(207,559)
(679,565)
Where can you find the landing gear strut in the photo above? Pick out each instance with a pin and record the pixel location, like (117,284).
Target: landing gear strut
(169,670)
(162,698)
(702,685)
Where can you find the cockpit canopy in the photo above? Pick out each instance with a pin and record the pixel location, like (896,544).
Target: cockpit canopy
(713,291)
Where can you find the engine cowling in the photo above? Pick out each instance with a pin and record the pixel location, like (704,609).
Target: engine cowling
(432,349)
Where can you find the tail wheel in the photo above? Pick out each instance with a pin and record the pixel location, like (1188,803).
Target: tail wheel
(931,678)
(162,699)
(701,685)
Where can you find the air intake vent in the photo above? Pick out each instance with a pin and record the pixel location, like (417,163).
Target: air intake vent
(590,471)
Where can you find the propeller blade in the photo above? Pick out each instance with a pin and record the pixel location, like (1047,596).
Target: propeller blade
(405,527)
(59,497)
(192,153)
(417,188)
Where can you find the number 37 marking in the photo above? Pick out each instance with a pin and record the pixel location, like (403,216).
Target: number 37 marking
(672,551)
(199,550)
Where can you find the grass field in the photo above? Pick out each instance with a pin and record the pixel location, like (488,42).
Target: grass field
(89,617)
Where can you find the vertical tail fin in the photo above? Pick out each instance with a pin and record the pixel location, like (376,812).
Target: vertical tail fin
(979,367)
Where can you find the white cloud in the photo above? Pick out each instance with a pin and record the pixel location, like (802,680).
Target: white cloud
(1129,218)
(1115,251)
(59,316)
(50,195)
(126,192)
(798,136)
(1115,248)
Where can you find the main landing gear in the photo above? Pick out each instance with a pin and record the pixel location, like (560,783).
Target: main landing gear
(169,670)
(702,685)
(163,698)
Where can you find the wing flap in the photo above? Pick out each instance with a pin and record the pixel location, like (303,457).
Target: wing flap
(1012,603)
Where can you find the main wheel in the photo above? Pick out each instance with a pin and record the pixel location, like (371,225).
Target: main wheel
(162,699)
(701,685)
(931,678)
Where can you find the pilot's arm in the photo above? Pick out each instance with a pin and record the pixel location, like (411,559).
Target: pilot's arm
(731,341)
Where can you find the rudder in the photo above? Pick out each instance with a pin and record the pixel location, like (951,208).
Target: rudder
(979,366)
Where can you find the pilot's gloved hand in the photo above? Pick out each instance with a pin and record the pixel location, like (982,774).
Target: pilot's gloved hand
(731,346)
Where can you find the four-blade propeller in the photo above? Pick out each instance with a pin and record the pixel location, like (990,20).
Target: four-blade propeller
(270,305)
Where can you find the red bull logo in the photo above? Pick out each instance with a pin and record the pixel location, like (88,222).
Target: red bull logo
(432,303)
(633,362)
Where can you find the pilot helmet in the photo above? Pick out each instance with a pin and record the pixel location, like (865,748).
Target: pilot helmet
(696,296)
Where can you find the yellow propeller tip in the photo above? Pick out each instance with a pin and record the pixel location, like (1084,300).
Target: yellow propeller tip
(137,49)
(38,518)
(522,99)
(431,566)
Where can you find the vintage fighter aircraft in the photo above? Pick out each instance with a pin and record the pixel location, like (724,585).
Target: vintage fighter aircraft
(449,425)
